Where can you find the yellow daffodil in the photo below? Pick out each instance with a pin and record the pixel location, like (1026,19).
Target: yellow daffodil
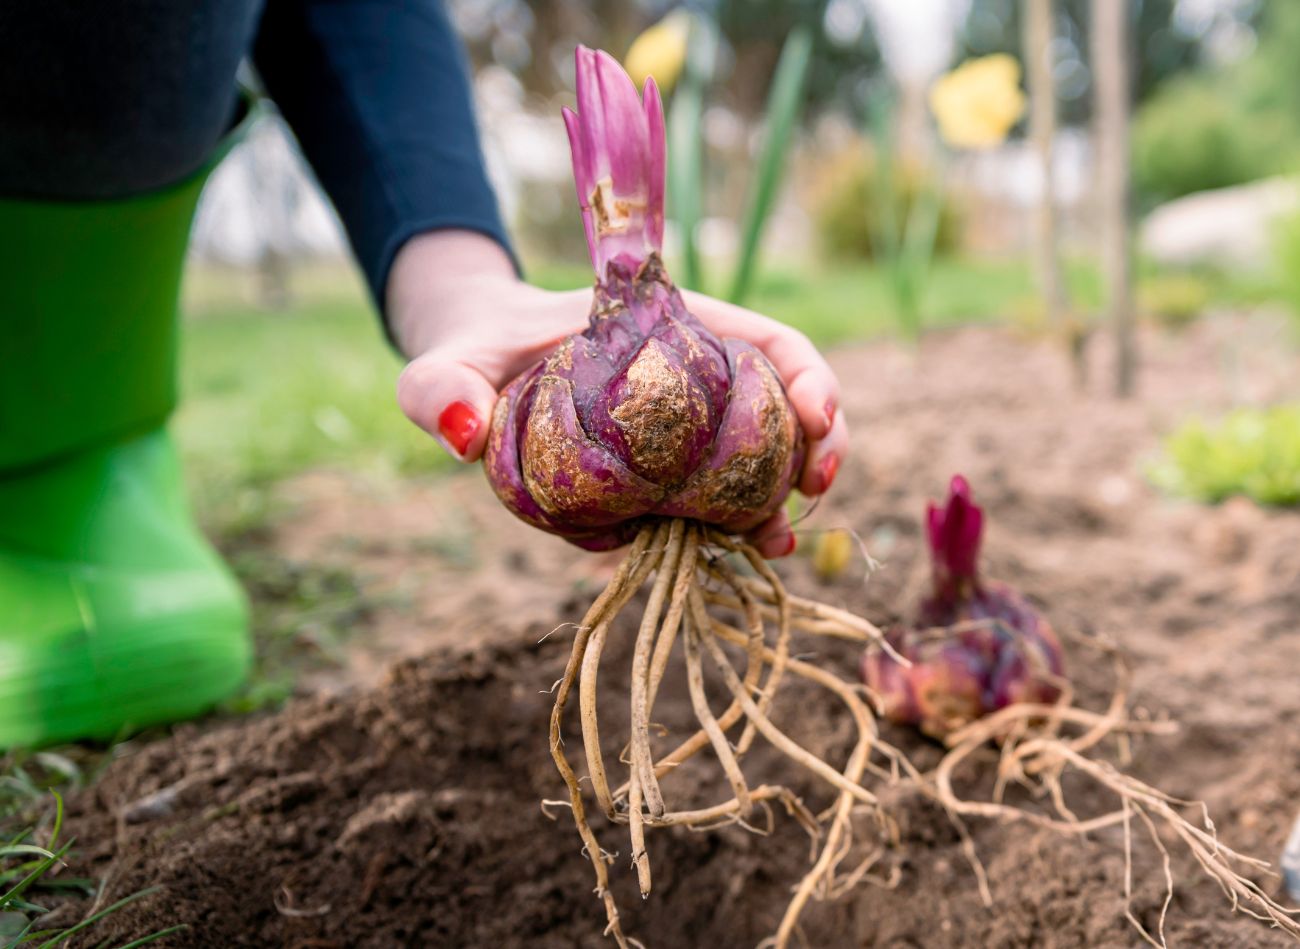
(977,103)
(660,51)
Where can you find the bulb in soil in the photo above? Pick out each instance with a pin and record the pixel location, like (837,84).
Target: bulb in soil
(975,646)
(645,414)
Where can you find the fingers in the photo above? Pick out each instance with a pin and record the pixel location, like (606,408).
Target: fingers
(450,400)
(501,329)
(824,457)
(774,537)
(809,382)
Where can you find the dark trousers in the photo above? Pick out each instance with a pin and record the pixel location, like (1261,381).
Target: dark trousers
(109,98)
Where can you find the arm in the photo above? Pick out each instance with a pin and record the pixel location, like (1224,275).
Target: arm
(376,91)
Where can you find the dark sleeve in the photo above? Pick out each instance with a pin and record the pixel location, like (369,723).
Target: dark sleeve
(377,92)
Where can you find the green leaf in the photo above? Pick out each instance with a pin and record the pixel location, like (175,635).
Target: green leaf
(886,234)
(686,147)
(35,874)
(80,884)
(904,236)
(58,817)
(24,906)
(91,920)
(10,850)
(783,104)
(1251,452)
(170,930)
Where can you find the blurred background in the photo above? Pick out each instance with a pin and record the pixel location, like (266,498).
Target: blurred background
(852,167)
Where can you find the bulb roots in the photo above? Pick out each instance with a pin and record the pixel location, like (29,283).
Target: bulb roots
(692,580)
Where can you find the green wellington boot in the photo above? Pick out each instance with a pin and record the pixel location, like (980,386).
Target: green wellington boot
(114,611)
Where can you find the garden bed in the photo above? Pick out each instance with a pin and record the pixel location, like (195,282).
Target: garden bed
(402,807)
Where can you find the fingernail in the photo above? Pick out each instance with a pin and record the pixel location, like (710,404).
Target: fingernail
(827,468)
(829,411)
(458,424)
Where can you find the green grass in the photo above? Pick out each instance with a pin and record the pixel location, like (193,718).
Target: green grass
(32,855)
(1250,452)
(840,303)
(266,394)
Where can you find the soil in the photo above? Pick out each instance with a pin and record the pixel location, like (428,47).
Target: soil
(398,805)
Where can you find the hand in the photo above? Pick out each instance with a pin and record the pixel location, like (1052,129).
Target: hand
(469,326)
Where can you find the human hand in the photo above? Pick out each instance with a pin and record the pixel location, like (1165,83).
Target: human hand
(469,326)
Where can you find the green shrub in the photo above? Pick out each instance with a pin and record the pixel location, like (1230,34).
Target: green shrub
(846,211)
(1195,134)
(1251,452)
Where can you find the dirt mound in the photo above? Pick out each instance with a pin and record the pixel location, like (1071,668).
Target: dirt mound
(410,817)
(407,813)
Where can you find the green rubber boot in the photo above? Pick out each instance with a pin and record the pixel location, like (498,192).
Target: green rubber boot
(115,613)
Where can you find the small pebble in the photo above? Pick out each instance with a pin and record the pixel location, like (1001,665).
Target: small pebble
(152,807)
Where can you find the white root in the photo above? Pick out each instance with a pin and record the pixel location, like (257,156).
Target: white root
(1035,747)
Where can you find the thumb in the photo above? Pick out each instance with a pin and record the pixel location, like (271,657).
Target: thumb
(450,400)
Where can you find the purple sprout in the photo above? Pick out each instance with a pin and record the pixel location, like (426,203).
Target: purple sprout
(975,645)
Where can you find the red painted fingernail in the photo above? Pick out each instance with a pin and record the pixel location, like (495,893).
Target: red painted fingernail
(830,413)
(458,424)
(827,468)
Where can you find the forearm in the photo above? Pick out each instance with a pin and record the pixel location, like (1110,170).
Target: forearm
(378,94)
(432,278)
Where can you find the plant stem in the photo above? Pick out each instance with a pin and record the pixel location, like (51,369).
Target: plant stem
(686,148)
(783,104)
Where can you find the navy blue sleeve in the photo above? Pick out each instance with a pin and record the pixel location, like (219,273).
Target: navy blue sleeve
(378,94)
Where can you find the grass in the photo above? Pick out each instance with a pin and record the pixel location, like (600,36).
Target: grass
(265,394)
(32,856)
(1250,452)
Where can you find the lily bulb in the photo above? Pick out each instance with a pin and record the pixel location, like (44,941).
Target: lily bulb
(645,414)
(975,645)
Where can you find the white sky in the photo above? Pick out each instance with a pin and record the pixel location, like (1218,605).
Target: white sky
(916,36)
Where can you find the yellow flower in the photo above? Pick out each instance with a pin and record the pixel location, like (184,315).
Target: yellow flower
(660,51)
(834,550)
(977,103)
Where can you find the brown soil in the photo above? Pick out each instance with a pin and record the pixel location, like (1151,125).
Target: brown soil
(404,810)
